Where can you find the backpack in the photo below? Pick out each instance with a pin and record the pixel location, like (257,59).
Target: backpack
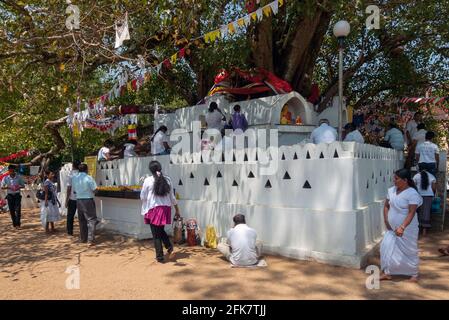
(40,194)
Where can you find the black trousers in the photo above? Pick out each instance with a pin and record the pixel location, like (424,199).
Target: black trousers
(15,208)
(71,210)
(159,237)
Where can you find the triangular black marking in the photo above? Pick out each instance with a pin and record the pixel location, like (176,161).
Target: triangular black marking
(101,183)
(201,159)
(373,175)
(367,184)
(268,184)
(107,178)
(28,196)
(206,183)
(107,166)
(286,176)
(102,167)
(222,157)
(283,157)
(180,182)
(114,183)
(308,155)
(307,185)
(321,155)
(219,175)
(257,157)
(171,162)
(112,166)
(251,175)
(336,154)
(295,157)
(381,174)
(235,184)
(376,180)
(245,158)
(191,175)
(233,157)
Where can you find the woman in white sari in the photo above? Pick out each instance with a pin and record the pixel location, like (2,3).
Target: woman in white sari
(399,248)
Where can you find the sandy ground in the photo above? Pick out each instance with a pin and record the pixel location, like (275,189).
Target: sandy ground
(33,265)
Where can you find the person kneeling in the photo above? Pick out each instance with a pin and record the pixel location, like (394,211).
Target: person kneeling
(243,248)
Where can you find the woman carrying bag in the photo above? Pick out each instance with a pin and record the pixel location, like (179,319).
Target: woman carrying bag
(157,197)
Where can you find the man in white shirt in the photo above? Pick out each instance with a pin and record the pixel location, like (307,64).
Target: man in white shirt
(242,248)
(324,133)
(353,135)
(70,202)
(412,127)
(428,155)
(159,142)
(420,135)
(130,151)
(104,154)
(395,137)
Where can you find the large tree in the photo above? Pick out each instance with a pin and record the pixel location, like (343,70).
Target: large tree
(44,66)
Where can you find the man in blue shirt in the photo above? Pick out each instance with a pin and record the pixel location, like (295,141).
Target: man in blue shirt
(13,183)
(83,187)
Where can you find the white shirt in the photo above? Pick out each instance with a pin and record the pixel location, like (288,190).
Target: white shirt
(242,240)
(420,136)
(395,137)
(102,152)
(72,174)
(158,143)
(427,151)
(355,136)
(427,192)
(412,128)
(324,134)
(129,151)
(214,120)
(150,200)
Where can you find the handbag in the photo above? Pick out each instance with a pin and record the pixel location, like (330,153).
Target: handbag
(436,205)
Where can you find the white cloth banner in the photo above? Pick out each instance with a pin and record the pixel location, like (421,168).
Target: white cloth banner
(224,31)
(121,32)
(259,13)
(274,7)
(247,20)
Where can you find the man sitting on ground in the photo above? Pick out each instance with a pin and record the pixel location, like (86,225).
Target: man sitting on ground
(242,248)
(324,133)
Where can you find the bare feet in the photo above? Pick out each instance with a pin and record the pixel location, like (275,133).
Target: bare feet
(385,277)
(413,279)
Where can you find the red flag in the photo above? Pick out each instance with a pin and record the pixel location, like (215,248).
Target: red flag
(167,63)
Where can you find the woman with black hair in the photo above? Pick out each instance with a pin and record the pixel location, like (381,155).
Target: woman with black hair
(399,248)
(157,197)
(426,184)
(159,142)
(50,206)
(215,118)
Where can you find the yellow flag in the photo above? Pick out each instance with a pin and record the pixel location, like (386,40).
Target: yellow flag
(267,10)
(129,86)
(281,3)
(211,36)
(241,22)
(215,35)
(231,28)
(254,16)
(174,58)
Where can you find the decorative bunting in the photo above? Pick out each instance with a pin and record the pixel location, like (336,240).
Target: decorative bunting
(122,33)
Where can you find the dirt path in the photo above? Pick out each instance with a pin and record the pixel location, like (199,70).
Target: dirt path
(33,265)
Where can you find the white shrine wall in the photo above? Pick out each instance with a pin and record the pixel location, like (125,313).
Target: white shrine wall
(330,209)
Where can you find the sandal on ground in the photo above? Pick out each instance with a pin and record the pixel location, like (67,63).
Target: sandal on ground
(443,251)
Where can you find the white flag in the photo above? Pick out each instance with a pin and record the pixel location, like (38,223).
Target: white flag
(158,68)
(247,20)
(274,7)
(121,32)
(224,31)
(259,13)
